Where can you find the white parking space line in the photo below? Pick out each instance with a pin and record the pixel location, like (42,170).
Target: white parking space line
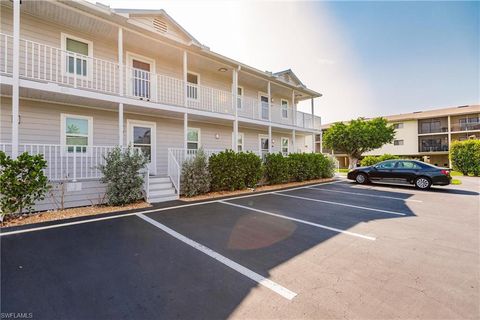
(275,287)
(340,204)
(363,194)
(60,225)
(353,234)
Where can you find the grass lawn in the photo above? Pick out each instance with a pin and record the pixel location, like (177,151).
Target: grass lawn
(455,173)
(343,170)
(456,181)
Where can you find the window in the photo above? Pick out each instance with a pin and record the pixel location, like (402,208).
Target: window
(407,165)
(284,108)
(193,138)
(239,141)
(239,97)
(398,142)
(77,56)
(192,82)
(398,125)
(386,165)
(285,146)
(76,132)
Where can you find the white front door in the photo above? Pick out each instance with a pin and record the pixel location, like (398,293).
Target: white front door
(142,135)
(264,107)
(263,145)
(141,81)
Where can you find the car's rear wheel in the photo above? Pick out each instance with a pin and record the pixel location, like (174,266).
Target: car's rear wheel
(361,178)
(423,183)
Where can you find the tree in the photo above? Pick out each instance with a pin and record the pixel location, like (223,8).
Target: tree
(358,136)
(465,156)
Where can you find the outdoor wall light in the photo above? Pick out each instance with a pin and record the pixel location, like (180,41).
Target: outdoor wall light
(217,136)
(222,69)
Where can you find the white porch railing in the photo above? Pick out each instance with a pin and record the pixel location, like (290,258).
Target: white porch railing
(70,163)
(176,158)
(46,63)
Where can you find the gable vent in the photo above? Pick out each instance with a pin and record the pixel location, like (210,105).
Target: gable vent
(159,25)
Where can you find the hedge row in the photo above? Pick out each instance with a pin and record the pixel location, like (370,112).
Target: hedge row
(465,157)
(229,170)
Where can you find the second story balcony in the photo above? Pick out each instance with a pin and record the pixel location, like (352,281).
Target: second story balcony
(44,63)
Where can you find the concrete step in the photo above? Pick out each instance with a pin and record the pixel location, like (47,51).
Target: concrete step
(162,199)
(153,180)
(161,193)
(160,186)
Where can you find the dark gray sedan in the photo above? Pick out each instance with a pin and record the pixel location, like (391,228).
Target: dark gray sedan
(420,174)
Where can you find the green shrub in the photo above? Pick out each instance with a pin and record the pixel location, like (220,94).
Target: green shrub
(234,171)
(22,183)
(195,177)
(302,166)
(252,168)
(465,156)
(327,165)
(277,168)
(123,176)
(225,172)
(371,160)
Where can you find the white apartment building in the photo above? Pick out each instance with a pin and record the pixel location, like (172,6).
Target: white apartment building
(79,78)
(426,135)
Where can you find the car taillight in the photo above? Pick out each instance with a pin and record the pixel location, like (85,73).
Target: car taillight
(445,172)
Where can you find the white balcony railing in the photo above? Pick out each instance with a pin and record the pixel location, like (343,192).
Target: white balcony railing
(70,163)
(50,64)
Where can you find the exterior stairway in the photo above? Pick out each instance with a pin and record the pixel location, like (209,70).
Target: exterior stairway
(160,189)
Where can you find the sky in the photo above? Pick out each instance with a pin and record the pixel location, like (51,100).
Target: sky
(366,58)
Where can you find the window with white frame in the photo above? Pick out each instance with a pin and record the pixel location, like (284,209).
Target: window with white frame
(285,146)
(239,97)
(77,132)
(239,141)
(78,54)
(284,108)
(193,138)
(193,79)
(398,142)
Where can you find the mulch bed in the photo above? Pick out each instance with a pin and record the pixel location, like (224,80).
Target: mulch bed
(220,194)
(101,209)
(68,213)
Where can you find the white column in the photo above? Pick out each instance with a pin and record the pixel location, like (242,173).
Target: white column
(269,101)
(185,71)
(269,139)
(120,124)
(294,111)
(185,115)
(313,127)
(15,78)
(235,104)
(120,85)
(120,61)
(185,130)
(294,141)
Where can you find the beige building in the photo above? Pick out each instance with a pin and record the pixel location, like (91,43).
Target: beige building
(79,78)
(427,135)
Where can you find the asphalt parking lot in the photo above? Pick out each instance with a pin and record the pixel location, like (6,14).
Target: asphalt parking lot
(336,250)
